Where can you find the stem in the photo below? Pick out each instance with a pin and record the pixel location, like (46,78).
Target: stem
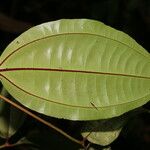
(42,120)
(5,145)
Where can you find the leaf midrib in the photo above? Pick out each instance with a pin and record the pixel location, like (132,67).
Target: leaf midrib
(73,71)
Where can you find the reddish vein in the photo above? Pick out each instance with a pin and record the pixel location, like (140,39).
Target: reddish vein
(48,100)
(75,71)
(55,35)
(56,102)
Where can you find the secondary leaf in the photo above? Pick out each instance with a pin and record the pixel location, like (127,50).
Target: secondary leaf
(103,132)
(11,119)
(76,69)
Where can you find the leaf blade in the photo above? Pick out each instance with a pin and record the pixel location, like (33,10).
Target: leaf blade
(72,84)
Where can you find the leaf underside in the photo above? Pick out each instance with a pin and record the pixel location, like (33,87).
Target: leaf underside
(76,69)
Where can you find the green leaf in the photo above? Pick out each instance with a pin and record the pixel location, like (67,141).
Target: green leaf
(102,138)
(76,69)
(103,132)
(11,119)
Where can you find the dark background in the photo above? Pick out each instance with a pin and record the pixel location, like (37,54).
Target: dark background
(130,16)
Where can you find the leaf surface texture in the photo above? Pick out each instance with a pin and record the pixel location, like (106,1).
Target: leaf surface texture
(77,69)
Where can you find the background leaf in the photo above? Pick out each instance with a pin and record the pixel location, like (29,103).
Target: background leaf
(11,118)
(103,132)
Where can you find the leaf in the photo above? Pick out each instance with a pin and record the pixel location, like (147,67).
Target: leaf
(76,69)
(102,138)
(103,132)
(11,119)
